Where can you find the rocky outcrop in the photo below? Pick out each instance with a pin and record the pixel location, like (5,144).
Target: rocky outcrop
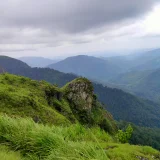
(85,105)
(80,92)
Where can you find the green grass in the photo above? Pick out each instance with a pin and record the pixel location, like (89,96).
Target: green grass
(44,142)
(20,96)
(48,104)
(6,154)
(38,122)
(130,152)
(36,141)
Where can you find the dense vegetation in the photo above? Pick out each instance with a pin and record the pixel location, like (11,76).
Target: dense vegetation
(145,84)
(40,142)
(123,106)
(106,95)
(143,135)
(59,123)
(48,104)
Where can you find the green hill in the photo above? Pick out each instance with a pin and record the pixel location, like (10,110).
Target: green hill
(45,103)
(144,84)
(41,121)
(123,106)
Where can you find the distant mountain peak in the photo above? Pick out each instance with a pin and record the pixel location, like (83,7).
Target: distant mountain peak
(88,66)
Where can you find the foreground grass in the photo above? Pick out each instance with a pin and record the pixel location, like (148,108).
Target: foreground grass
(6,154)
(38,142)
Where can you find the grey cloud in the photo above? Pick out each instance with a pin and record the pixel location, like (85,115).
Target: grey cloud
(70,15)
(54,22)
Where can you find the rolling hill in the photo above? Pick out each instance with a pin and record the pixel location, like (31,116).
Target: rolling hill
(122,105)
(55,130)
(12,64)
(105,69)
(148,61)
(145,84)
(41,121)
(87,66)
(46,103)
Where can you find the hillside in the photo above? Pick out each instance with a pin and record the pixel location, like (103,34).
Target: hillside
(87,66)
(149,65)
(104,69)
(37,141)
(143,83)
(143,135)
(148,60)
(46,103)
(12,64)
(18,67)
(37,61)
(125,106)
(129,78)
(58,123)
(144,112)
(142,61)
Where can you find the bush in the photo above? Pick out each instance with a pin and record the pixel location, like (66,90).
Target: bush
(124,136)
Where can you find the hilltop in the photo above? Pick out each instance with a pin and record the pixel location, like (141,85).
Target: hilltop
(46,103)
(87,66)
(12,64)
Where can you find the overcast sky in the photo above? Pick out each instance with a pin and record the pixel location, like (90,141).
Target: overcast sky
(52,28)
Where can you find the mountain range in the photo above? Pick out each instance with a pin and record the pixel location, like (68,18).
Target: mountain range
(122,105)
(41,121)
(87,66)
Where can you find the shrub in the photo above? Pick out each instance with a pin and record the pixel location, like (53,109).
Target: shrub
(124,136)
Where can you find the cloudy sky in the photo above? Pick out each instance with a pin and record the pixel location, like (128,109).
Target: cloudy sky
(53,28)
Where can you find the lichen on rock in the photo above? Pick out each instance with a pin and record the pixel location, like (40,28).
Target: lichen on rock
(80,93)
(85,105)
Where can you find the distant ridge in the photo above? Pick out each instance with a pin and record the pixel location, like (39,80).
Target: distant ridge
(91,67)
(11,64)
(122,105)
(37,61)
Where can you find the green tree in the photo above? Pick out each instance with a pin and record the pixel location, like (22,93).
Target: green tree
(124,136)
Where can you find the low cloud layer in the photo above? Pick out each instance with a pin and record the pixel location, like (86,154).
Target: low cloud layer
(31,24)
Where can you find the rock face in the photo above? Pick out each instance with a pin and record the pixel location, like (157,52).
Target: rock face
(85,107)
(80,93)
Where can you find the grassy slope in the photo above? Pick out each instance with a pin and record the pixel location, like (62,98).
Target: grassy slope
(37,141)
(45,103)
(124,106)
(115,101)
(25,97)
